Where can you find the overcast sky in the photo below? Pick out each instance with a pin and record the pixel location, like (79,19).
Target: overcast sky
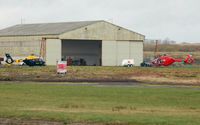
(177,20)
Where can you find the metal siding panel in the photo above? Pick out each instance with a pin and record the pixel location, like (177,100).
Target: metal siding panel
(19,48)
(27,38)
(53,51)
(137,52)
(109,49)
(122,51)
(102,31)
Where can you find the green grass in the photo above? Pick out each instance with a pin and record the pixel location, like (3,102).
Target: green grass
(101,104)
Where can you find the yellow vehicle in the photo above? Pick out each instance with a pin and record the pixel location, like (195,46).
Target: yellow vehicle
(30,60)
(19,62)
(31,57)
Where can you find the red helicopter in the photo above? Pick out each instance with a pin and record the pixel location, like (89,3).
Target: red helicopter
(166,60)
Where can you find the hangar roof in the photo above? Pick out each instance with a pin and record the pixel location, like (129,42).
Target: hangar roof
(49,28)
(43,28)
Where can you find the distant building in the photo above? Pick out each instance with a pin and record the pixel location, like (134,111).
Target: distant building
(97,42)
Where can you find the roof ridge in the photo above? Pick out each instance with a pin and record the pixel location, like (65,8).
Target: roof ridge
(59,22)
(92,22)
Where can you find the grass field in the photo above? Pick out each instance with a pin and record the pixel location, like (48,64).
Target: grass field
(165,75)
(145,105)
(191,47)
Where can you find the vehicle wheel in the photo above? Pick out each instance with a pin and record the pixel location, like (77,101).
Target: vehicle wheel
(9,61)
(130,65)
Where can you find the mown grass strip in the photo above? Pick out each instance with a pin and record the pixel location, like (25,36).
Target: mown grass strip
(96,104)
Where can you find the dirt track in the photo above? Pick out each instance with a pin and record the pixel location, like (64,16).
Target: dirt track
(6,121)
(35,122)
(113,75)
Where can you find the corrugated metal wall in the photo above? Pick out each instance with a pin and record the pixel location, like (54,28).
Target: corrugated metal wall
(136,52)
(102,31)
(109,55)
(53,51)
(123,51)
(20,48)
(113,52)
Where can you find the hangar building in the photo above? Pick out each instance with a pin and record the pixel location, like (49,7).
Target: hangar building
(97,42)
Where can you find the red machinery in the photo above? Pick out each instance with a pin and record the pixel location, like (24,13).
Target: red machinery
(166,60)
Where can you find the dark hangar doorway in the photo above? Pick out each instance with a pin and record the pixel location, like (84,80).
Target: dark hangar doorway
(82,52)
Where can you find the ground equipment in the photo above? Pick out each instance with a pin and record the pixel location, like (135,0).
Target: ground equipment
(62,67)
(9,59)
(167,60)
(128,62)
(77,62)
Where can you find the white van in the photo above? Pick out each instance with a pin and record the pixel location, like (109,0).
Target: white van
(128,62)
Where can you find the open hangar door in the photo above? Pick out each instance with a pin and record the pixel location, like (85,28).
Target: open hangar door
(82,52)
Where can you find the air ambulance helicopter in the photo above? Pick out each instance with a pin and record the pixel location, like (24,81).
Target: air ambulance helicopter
(31,60)
(166,60)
